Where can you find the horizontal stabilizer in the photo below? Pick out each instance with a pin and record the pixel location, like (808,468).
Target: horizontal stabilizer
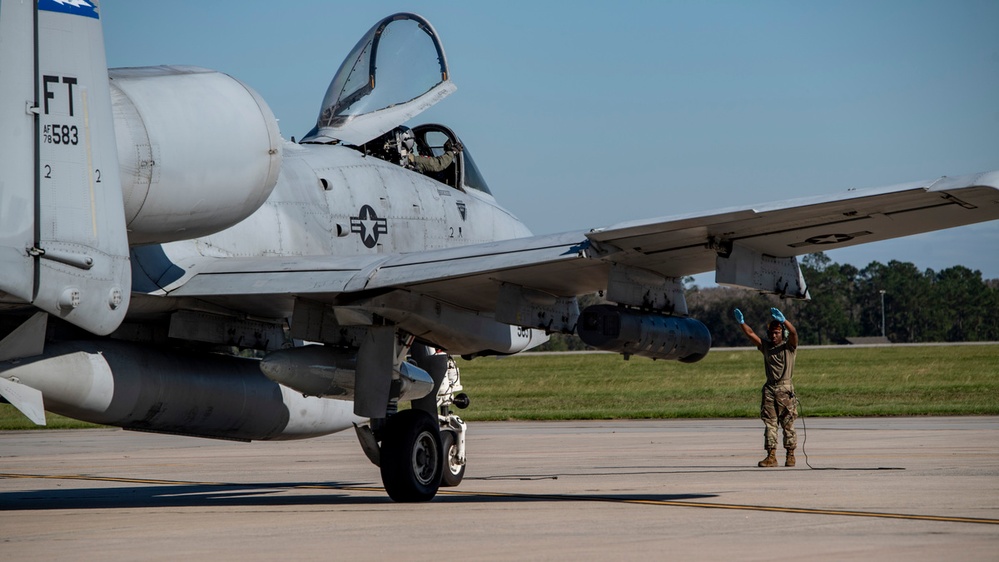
(27,340)
(24,398)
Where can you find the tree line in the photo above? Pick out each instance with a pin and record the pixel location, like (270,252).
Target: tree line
(909,305)
(953,304)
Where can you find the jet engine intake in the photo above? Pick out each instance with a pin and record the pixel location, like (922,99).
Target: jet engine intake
(198,151)
(648,334)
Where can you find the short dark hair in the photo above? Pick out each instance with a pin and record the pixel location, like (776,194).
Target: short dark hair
(774,323)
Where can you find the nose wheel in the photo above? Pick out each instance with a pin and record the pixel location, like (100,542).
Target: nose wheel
(454,466)
(412,456)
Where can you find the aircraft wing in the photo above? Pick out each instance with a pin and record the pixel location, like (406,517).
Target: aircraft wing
(466,276)
(684,245)
(576,263)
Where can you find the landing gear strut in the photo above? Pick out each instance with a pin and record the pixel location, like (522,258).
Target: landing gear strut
(452,427)
(420,449)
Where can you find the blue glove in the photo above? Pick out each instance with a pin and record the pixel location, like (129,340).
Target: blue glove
(738,317)
(778,316)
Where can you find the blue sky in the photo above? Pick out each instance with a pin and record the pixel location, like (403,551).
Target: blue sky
(585,115)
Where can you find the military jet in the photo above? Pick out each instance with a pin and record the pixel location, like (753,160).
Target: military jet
(171,264)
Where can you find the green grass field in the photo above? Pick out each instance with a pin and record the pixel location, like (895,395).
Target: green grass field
(892,381)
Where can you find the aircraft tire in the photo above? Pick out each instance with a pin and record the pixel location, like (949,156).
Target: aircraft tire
(453,472)
(412,457)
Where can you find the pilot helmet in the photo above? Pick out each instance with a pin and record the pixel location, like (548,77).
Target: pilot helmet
(404,138)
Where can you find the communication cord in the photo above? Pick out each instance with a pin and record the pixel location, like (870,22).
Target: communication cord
(804,431)
(804,438)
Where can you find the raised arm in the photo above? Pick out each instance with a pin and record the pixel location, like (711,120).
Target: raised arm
(746,329)
(792,334)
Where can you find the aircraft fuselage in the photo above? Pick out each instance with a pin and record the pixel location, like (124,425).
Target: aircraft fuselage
(334,200)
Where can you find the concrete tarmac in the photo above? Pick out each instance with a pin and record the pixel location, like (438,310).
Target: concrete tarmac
(880,489)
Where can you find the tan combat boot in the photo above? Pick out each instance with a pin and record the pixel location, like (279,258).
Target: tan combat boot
(790,458)
(771,459)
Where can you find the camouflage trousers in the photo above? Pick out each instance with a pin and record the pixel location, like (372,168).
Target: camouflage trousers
(779,407)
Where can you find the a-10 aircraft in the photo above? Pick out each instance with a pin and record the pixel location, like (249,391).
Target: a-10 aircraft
(154,226)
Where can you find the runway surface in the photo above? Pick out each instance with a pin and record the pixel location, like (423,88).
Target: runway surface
(881,488)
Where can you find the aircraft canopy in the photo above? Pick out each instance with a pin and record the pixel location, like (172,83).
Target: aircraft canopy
(395,72)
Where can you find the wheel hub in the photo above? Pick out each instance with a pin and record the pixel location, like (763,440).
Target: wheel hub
(424,458)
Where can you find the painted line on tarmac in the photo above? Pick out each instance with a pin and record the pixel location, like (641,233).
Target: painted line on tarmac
(114,479)
(774,509)
(543,497)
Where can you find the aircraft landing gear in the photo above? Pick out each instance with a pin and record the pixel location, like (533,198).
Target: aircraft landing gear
(412,456)
(420,449)
(454,464)
(452,427)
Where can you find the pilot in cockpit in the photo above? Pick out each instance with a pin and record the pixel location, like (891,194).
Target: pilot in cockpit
(409,157)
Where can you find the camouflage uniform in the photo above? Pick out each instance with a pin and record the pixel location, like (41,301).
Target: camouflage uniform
(778,404)
(425,164)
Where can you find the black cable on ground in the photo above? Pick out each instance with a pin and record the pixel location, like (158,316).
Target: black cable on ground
(804,437)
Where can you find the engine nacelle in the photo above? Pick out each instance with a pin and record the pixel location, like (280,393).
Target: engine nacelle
(198,150)
(648,334)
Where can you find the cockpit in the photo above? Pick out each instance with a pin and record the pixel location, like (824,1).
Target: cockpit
(396,71)
(434,141)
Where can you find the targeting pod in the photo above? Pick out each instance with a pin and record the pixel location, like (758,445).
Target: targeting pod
(648,334)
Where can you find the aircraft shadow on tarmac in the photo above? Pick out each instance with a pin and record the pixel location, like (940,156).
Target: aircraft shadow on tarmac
(273,494)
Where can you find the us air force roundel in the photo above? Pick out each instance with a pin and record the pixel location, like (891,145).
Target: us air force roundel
(368,225)
(826,239)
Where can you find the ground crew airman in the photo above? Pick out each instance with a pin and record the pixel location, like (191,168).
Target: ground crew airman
(778,405)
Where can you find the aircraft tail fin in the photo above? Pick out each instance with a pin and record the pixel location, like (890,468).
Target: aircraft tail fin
(63,243)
